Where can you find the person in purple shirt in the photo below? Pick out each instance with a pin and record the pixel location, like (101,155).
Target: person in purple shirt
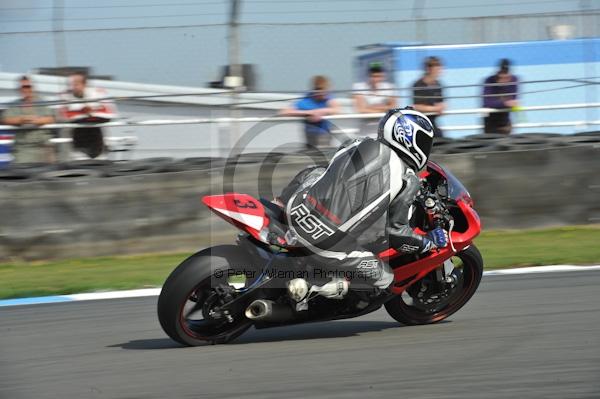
(500,92)
(314,106)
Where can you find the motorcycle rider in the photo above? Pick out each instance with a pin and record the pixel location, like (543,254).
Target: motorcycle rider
(366,192)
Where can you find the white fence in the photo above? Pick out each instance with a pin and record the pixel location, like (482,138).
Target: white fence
(183,122)
(225,124)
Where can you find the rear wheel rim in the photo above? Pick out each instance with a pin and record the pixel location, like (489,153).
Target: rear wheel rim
(195,318)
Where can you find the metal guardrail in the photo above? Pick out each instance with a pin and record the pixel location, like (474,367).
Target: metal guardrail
(227,120)
(124,141)
(124,145)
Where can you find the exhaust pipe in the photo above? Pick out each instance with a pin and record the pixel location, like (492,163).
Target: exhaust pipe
(266,310)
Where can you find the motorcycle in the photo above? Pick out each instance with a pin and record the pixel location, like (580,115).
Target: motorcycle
(218,293)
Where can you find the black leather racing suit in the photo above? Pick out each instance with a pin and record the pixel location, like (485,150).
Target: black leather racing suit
(366,192)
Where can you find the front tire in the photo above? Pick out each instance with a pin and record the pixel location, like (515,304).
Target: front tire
(422,304)
(189,290)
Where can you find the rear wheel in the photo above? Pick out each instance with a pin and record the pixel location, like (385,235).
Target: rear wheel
(429,301)
(189,300)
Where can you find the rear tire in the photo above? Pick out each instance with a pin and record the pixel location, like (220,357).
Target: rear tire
(192,281)
(417,305)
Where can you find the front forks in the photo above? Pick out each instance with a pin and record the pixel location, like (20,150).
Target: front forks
(444,273)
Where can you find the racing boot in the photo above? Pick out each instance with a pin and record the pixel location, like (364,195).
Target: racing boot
(298,289)
(300,292)
(335,289)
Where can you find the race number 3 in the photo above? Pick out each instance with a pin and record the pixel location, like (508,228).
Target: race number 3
(244,204)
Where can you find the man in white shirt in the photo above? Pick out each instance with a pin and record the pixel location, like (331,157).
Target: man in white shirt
(87,106)
(376,95)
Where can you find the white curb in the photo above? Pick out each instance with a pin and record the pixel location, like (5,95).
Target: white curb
(156,291)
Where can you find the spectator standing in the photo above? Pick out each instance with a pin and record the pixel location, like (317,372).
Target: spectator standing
(88,142)
(31,145)
(314,106)
(376,95)
(427,93)
(500,92)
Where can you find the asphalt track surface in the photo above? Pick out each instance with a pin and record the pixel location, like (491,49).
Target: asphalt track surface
(527,336)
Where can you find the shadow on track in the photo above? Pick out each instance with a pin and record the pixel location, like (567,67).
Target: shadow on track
(332,329)
(322,330)
(157,343)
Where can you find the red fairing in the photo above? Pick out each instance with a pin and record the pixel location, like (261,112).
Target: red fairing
(242,210)
(406,275)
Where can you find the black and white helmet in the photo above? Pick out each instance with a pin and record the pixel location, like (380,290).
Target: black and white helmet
(409,133)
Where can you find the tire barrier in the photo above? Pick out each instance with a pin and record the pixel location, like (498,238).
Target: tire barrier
(96,207)
(71,174)
(525,144)
(585,139)
(201,163)
(25,172)
(204,162)
(593,134)
(254,158)
(87,164)
(100,165)
(493,142)
(470,146)
(487,137)
(536,136)
(33,168)
(12,175)
(138,167)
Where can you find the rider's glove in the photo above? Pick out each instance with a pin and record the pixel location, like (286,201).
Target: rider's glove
(439,237)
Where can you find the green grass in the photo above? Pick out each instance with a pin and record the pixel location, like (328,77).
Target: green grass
(500,249)
(576,245)
(25,279)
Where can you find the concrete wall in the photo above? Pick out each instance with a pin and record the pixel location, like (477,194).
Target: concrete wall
(156,212)
(532,188)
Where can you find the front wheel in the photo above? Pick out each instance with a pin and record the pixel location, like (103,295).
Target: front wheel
(189,297)
(429,301)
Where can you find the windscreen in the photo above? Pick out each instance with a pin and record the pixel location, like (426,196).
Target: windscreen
(456,189)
